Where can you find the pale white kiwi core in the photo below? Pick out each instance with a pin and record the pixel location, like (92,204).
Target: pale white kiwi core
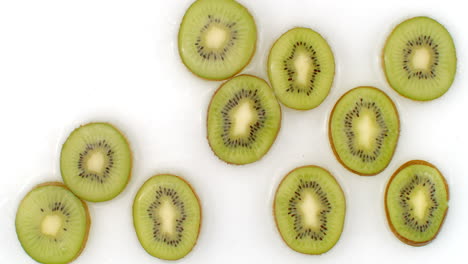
(51,224)
(95,162)
(243,116)
(421,58)
(419,203)
(302,65)
(167,214)
(367,129)
(310,209)
(215,37)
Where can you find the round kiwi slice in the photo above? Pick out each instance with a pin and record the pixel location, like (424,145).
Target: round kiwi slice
(301,68)
(419,59)
(167,217)
(52,224)
(244,118)
(96,162)
(217,38)
(363,130)
(309,210)
(416,202)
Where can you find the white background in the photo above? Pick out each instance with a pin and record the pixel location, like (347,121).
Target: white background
(66,63)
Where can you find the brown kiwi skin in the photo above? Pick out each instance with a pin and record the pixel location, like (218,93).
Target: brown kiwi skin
(276,135)
(196,196)
(88,218)
(269,73)
(229,77)
(129,147)
(383,60)
(276,193)
(387,213)
(331,140)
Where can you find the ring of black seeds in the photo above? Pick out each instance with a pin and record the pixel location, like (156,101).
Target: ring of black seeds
(302,232)
(213,54)
(254,128)
(354,113)
(419,42)
(404,198)
(100,177)
(58,206)
(175,199)
(288,68)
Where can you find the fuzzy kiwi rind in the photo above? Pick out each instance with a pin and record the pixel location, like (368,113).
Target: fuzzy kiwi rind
(387,213)
(124,137)
(198,201)
(270,73)
(85,206)
(330,139)
(207,116)
(226,77)
(274,206)
(385,71)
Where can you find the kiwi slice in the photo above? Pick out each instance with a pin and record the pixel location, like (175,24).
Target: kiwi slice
(363,130)
(301,68)
(419,59)
(167,217)
(309,210)
(52,224)
(217,38)
(244,118)
(96,162)
(416,202)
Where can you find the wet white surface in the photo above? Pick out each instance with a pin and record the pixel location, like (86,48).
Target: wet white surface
(66,63)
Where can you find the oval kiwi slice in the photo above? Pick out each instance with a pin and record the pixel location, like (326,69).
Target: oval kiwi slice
(301,68)
(363,130)
(52,224)
(244,118)
(167,217)
(309,210)
(416,202)
(217,38)
(420,59)
(96,162)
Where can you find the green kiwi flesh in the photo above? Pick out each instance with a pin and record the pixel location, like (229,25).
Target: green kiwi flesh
(363,130)
(217,38)
(52,224)
(167,217)
(416,202)
(96,162)
(420,59)
(301,68)
(309,210)
(243,120)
